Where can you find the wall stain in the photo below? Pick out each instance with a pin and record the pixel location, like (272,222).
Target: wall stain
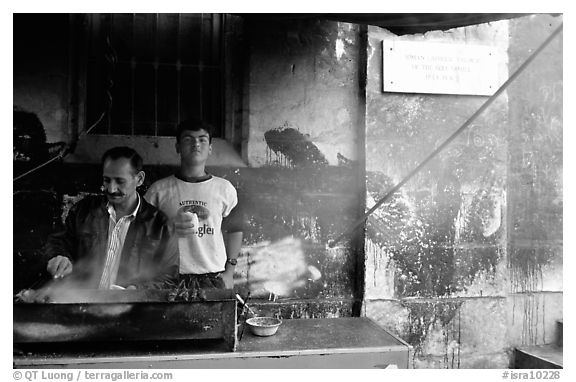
(420,240)
(424,230)
(292,149)
(529,318)
(424,318)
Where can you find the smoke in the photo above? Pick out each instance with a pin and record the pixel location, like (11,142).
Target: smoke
(47,332)
(277,268)
(65,291)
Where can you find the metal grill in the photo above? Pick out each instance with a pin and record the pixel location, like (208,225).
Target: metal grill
(147,72)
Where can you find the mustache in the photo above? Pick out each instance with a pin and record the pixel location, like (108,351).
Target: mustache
(112,194)
(117,193)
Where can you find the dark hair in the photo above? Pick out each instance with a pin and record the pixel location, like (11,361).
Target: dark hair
(124,152)
(194,124)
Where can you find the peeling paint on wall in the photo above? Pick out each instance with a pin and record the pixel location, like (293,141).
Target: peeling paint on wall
(481,216)
(339,49)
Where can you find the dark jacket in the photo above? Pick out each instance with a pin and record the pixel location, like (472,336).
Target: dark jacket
(147,260)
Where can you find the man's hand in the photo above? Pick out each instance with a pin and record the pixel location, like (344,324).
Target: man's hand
(186,223)
(228,277)
(59,266)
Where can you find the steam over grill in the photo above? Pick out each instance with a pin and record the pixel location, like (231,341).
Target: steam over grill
(130,315)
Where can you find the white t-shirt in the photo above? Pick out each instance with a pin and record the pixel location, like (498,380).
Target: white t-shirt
(211,200)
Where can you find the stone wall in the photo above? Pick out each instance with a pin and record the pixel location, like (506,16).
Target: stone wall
(535,198)
(447,253)
(304,184)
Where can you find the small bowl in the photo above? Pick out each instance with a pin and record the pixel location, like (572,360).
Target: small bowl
(264,326)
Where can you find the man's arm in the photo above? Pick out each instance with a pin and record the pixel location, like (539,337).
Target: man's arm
(233,244)
(60,247)
(232,230)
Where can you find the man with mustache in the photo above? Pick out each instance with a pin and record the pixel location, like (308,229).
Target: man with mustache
(118,240)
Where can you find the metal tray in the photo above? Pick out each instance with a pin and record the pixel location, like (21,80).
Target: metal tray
(127,316)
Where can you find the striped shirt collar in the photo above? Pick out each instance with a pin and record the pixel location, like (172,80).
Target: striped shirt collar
(112,211)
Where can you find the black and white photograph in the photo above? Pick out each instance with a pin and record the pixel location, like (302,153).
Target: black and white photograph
(273,190)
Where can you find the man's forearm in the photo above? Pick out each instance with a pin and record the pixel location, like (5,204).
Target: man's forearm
(233,244)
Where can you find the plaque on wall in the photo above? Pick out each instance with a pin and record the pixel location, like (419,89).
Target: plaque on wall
(440,68)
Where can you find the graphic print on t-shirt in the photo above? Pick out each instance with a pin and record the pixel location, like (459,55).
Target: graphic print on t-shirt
(199,208)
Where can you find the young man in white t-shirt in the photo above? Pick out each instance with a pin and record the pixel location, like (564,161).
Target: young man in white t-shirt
(208,246)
